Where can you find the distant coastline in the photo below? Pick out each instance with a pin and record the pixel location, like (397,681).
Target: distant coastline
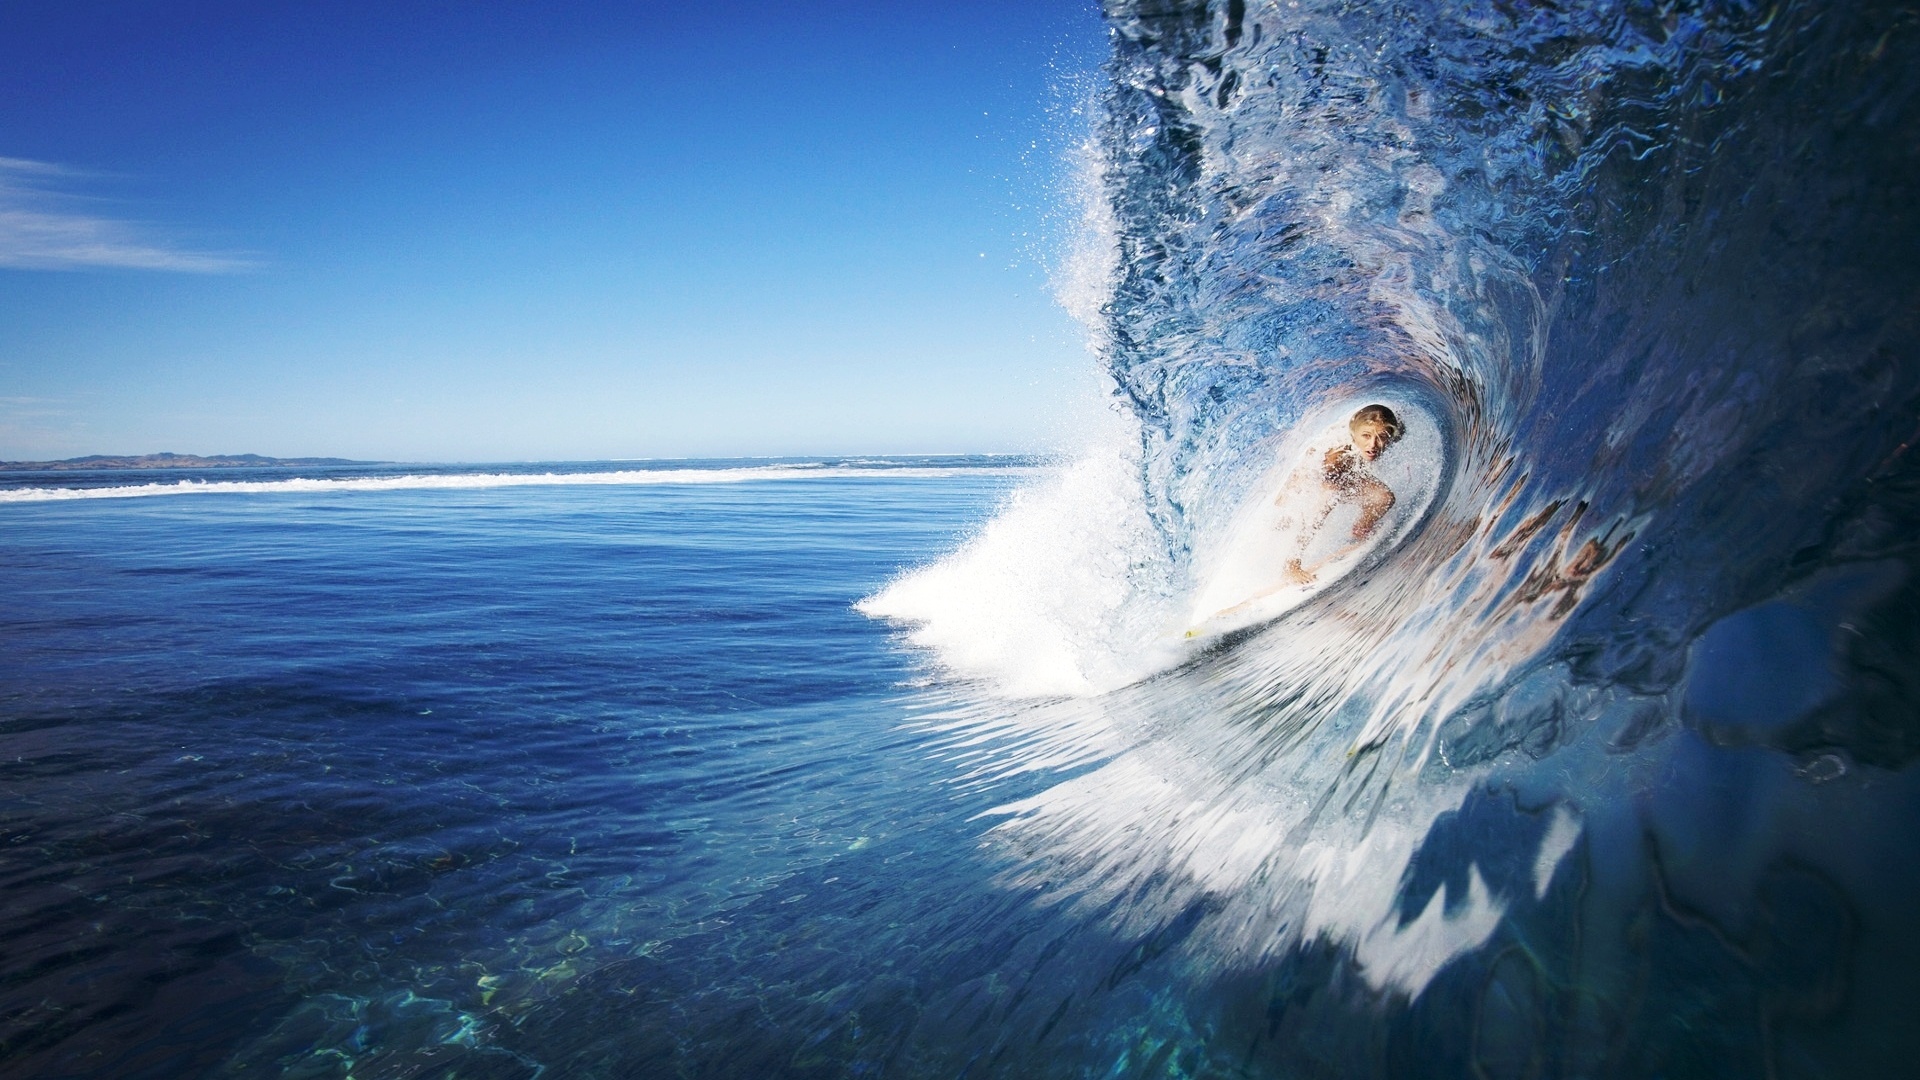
(171,461)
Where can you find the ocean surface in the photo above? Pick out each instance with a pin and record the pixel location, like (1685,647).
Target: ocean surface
(480,779)
(1597,760)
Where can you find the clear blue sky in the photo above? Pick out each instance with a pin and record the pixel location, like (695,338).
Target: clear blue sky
(493,231)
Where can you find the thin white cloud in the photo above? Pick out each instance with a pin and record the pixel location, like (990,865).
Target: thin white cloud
(43,228)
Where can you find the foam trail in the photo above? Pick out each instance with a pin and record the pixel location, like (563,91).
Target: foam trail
(473,481)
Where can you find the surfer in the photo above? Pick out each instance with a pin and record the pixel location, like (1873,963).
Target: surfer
(1343,474)
(1325,481)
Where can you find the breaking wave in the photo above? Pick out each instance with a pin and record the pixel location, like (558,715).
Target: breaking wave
(1605,732)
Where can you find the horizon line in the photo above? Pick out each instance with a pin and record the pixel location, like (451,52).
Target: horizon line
(270,459)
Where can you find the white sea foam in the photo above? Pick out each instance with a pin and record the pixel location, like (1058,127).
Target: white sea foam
(431,481)
(1153,830)
(1056,595)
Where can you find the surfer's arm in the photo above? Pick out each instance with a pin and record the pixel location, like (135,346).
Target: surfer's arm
(1318,497)
(1295,573)
(1300,485)
(1311,494)
(1376,499)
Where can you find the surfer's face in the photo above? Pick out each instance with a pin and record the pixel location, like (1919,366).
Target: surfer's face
(1370,437)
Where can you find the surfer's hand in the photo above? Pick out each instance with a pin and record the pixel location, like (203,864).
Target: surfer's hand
(1296,574)
(1334,468)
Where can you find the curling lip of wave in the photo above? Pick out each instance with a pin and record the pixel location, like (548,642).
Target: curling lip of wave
(427,481)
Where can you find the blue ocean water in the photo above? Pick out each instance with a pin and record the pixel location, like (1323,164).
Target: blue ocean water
(1598,762)
(602,780)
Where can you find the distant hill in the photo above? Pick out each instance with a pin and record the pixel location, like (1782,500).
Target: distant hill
(171,461)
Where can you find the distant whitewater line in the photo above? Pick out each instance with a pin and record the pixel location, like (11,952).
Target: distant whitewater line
(428,481)
(95,462)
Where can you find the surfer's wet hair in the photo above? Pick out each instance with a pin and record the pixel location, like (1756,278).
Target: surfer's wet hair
(1380,414)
